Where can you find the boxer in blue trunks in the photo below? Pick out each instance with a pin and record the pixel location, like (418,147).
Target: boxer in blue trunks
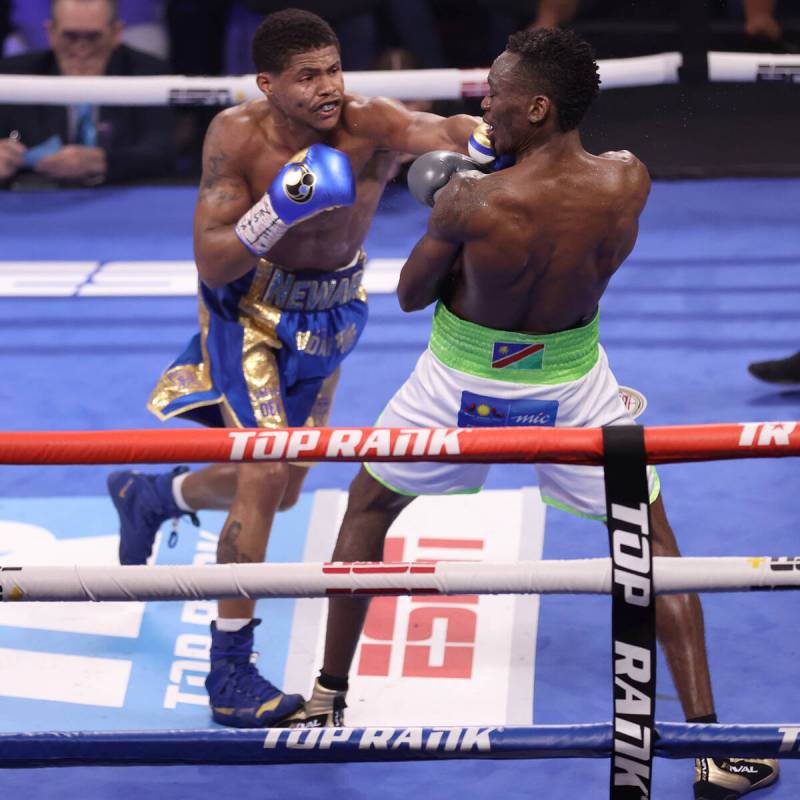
(280,305)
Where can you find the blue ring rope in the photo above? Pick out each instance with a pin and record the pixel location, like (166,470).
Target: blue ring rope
(320,745)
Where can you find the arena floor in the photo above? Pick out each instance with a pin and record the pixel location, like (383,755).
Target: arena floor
(713,284)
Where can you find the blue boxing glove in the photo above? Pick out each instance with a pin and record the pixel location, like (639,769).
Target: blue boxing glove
(317,179)
(481,151)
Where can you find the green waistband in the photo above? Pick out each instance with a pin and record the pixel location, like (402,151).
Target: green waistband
(514,357)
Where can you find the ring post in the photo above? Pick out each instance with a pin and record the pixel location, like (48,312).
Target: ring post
(695,29)
(632,611)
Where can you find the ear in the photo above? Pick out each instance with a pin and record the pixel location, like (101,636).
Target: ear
(264,83)
(539,109)
(116,32)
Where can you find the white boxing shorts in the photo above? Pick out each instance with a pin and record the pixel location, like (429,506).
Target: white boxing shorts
(499,378)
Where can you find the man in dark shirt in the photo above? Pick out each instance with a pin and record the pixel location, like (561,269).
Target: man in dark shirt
(85,144)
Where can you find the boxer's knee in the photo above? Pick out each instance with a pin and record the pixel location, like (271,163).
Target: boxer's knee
(662,536)
(369,496)
(294,484)
(262,483)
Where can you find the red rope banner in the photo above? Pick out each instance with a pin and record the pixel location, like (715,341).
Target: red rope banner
(664,445)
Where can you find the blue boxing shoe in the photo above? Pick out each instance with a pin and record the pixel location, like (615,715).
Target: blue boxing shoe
(144,503)
(239,696)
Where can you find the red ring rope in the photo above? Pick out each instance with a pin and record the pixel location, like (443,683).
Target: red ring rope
(496,445)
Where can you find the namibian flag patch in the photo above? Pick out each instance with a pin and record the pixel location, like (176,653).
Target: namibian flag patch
(514,355)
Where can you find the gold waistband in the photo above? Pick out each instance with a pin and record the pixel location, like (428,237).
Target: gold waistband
(310,290)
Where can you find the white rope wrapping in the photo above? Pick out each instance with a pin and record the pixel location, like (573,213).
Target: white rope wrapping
(574,576)
(429,84)
(748,67)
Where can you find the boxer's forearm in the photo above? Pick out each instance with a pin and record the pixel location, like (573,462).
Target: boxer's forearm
(458,129)
(425,271)
(220,256)
(429,132)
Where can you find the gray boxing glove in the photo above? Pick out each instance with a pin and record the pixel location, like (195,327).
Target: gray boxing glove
(430,173)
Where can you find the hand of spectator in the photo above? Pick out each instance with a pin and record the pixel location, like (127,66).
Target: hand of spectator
(75,162)
(763,26)
(12,155)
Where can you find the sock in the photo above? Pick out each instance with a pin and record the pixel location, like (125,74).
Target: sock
(177,492)
(331,682)
(709,719)
(231,625)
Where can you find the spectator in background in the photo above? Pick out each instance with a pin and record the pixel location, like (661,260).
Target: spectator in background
(85,144)
(760,20)
(5,21)
(780,370)
(354,21)
(143,19)
(361,26)
(414,25)
(763,27)
(508,16)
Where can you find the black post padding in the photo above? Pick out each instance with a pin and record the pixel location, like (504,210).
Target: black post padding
(695,35)
(632,612)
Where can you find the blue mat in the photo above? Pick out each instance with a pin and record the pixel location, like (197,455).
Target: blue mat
(713,284)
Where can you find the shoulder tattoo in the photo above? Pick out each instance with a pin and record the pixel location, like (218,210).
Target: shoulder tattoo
(219,185)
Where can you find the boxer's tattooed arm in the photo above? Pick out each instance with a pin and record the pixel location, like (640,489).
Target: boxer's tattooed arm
(217,186)
(222,187)
(229,550)
(224,195)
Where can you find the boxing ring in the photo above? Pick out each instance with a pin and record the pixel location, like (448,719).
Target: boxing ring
(631,575)
(206,747)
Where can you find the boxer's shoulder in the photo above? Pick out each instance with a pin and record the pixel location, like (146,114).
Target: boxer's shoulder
(239,123)
(624,163)
(625,173)
(369,117)
(625,156)
(473,204)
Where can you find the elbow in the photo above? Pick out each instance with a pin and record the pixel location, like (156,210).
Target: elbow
(208,275)
(408,301)
(404,296)
(405,304)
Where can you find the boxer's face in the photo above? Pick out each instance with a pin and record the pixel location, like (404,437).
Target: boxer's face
(509,109)
(310,89)
(83,35)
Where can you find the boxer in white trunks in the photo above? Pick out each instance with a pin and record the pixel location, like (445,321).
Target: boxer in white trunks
(517,261)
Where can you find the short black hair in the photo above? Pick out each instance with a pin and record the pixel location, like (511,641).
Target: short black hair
(286,33)
(562,65)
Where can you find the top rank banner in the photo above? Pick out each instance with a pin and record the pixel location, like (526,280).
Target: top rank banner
(632,612)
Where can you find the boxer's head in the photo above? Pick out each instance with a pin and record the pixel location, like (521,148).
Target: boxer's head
(544,78)
(83,34)
(296,55)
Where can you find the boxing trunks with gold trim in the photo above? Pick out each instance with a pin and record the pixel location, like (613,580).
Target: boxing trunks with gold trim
(268,350)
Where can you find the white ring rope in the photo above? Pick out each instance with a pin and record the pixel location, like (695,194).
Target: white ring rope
(573,576)
(431,84)
(749,67)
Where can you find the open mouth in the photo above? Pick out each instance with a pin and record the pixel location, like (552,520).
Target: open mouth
(328,109)
(489,129)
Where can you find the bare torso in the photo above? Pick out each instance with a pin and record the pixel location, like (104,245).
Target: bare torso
(331,239)
(245,148)
(552,232)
